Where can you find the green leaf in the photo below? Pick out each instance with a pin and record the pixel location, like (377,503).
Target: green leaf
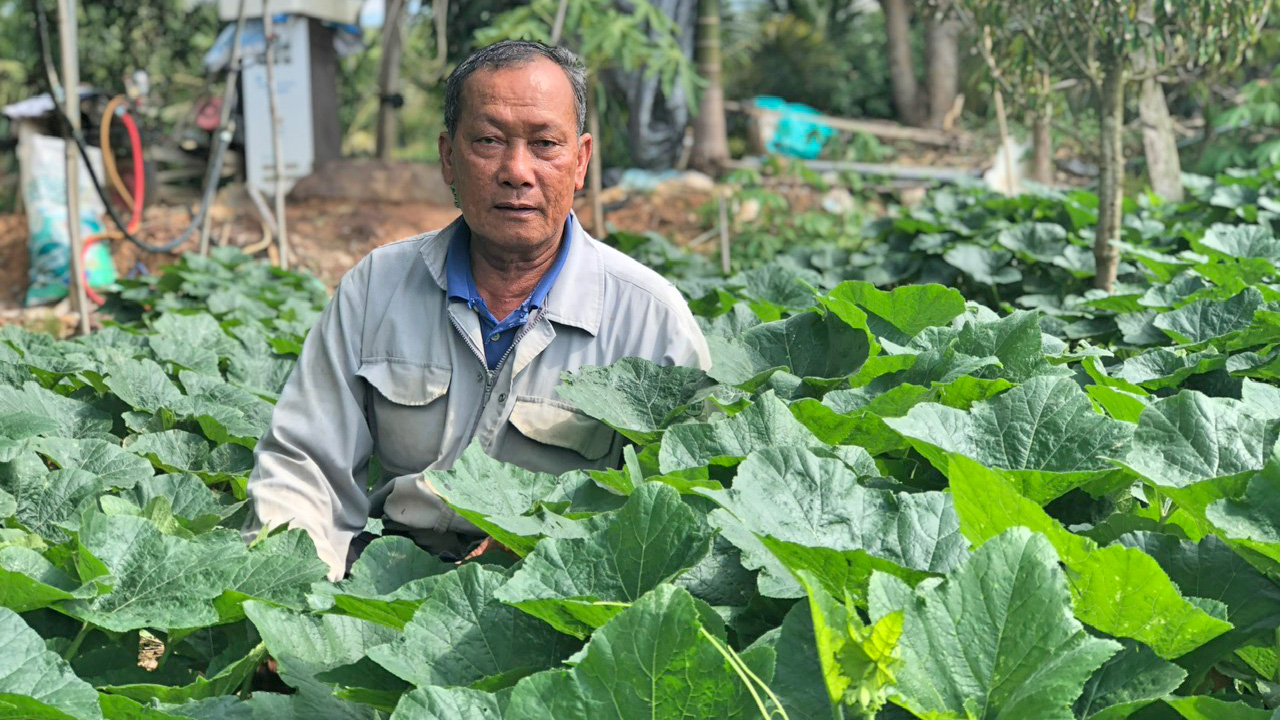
(1119,590)
(996,638)
(191,341)
(157,580)
(1209,319)
(1240,241)
(1119,404)
(720,579)
(984,265)
(438,703)
(1211,569)
(654,660)
(114,466)
(187,495)
(1190,437)
(823,521)
(462,635)
(51,502)
(1037,241)
(22,425)
(225,413)
(32,678)
(279,569)
(497,497)
(909,308)
(74,418)
(808,345)
(857,659)
(180,451)
(387,583)
(28,581)
(1163,367)
(143,385)
(765,423)
(1045,433)
(799,680)
(1206,708)
(651,539)
(1014,340)
(634,396)
(305,646)
(1132,679)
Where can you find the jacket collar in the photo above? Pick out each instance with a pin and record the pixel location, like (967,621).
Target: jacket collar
(576,298)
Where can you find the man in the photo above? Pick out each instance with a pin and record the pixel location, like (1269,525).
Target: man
(460,336)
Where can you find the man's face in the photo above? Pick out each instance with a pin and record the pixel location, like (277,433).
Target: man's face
(516,157)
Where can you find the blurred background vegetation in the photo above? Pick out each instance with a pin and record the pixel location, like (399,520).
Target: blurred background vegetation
(829,54)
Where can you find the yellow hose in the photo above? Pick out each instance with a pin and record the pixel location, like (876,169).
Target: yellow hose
(108,158)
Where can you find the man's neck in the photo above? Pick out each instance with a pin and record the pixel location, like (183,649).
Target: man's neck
(505,280)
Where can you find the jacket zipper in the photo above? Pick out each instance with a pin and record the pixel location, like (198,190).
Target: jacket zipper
(490,376)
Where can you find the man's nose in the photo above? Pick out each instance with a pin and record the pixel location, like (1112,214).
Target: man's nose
(517,166)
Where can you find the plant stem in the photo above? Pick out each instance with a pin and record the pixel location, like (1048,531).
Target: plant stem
(74,647)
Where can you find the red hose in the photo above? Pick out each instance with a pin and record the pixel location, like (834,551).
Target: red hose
(139,172)
(139,190)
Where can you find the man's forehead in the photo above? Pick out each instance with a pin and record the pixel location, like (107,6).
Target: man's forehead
(538,78)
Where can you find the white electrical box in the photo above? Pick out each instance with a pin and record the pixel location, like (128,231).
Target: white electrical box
(293,104)
(339,11)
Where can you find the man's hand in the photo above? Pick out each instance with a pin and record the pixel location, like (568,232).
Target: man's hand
(485,545)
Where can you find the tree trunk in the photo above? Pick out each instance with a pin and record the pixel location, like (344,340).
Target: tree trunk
(389,76)
(1042,135)
(1111,186)
(710,137)
(1161,145)
(943,53)
(902,69)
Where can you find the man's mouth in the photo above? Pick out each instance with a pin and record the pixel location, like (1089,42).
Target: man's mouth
(516,208)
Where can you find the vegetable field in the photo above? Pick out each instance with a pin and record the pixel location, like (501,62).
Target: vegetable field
(931,474)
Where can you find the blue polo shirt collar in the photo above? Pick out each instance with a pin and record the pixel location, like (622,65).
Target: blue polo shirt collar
(498,334)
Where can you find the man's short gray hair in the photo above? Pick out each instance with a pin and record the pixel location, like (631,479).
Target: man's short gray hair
(513,53)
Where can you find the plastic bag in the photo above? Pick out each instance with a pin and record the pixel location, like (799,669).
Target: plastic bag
(44,194)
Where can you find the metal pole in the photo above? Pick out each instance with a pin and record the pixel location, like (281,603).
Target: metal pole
(71,103)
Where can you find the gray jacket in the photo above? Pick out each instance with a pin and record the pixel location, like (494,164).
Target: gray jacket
(393,367)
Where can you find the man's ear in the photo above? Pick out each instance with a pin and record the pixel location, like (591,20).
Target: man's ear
(585,147)
(445,146)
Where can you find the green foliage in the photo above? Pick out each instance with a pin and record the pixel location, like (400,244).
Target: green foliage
(876,502)
(603,36)
(1247,133)
(839,68)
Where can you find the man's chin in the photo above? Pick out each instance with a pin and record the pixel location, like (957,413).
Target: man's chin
(515,234)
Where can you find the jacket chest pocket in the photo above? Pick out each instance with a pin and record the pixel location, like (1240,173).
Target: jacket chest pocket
(407,412)
(550,436)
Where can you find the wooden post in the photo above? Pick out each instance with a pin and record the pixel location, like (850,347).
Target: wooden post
(277,143)
(725,265)
(389,76)
(594,172)
(71,101)
(224,118)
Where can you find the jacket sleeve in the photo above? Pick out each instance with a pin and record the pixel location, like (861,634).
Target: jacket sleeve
(310,467)
(685,343)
